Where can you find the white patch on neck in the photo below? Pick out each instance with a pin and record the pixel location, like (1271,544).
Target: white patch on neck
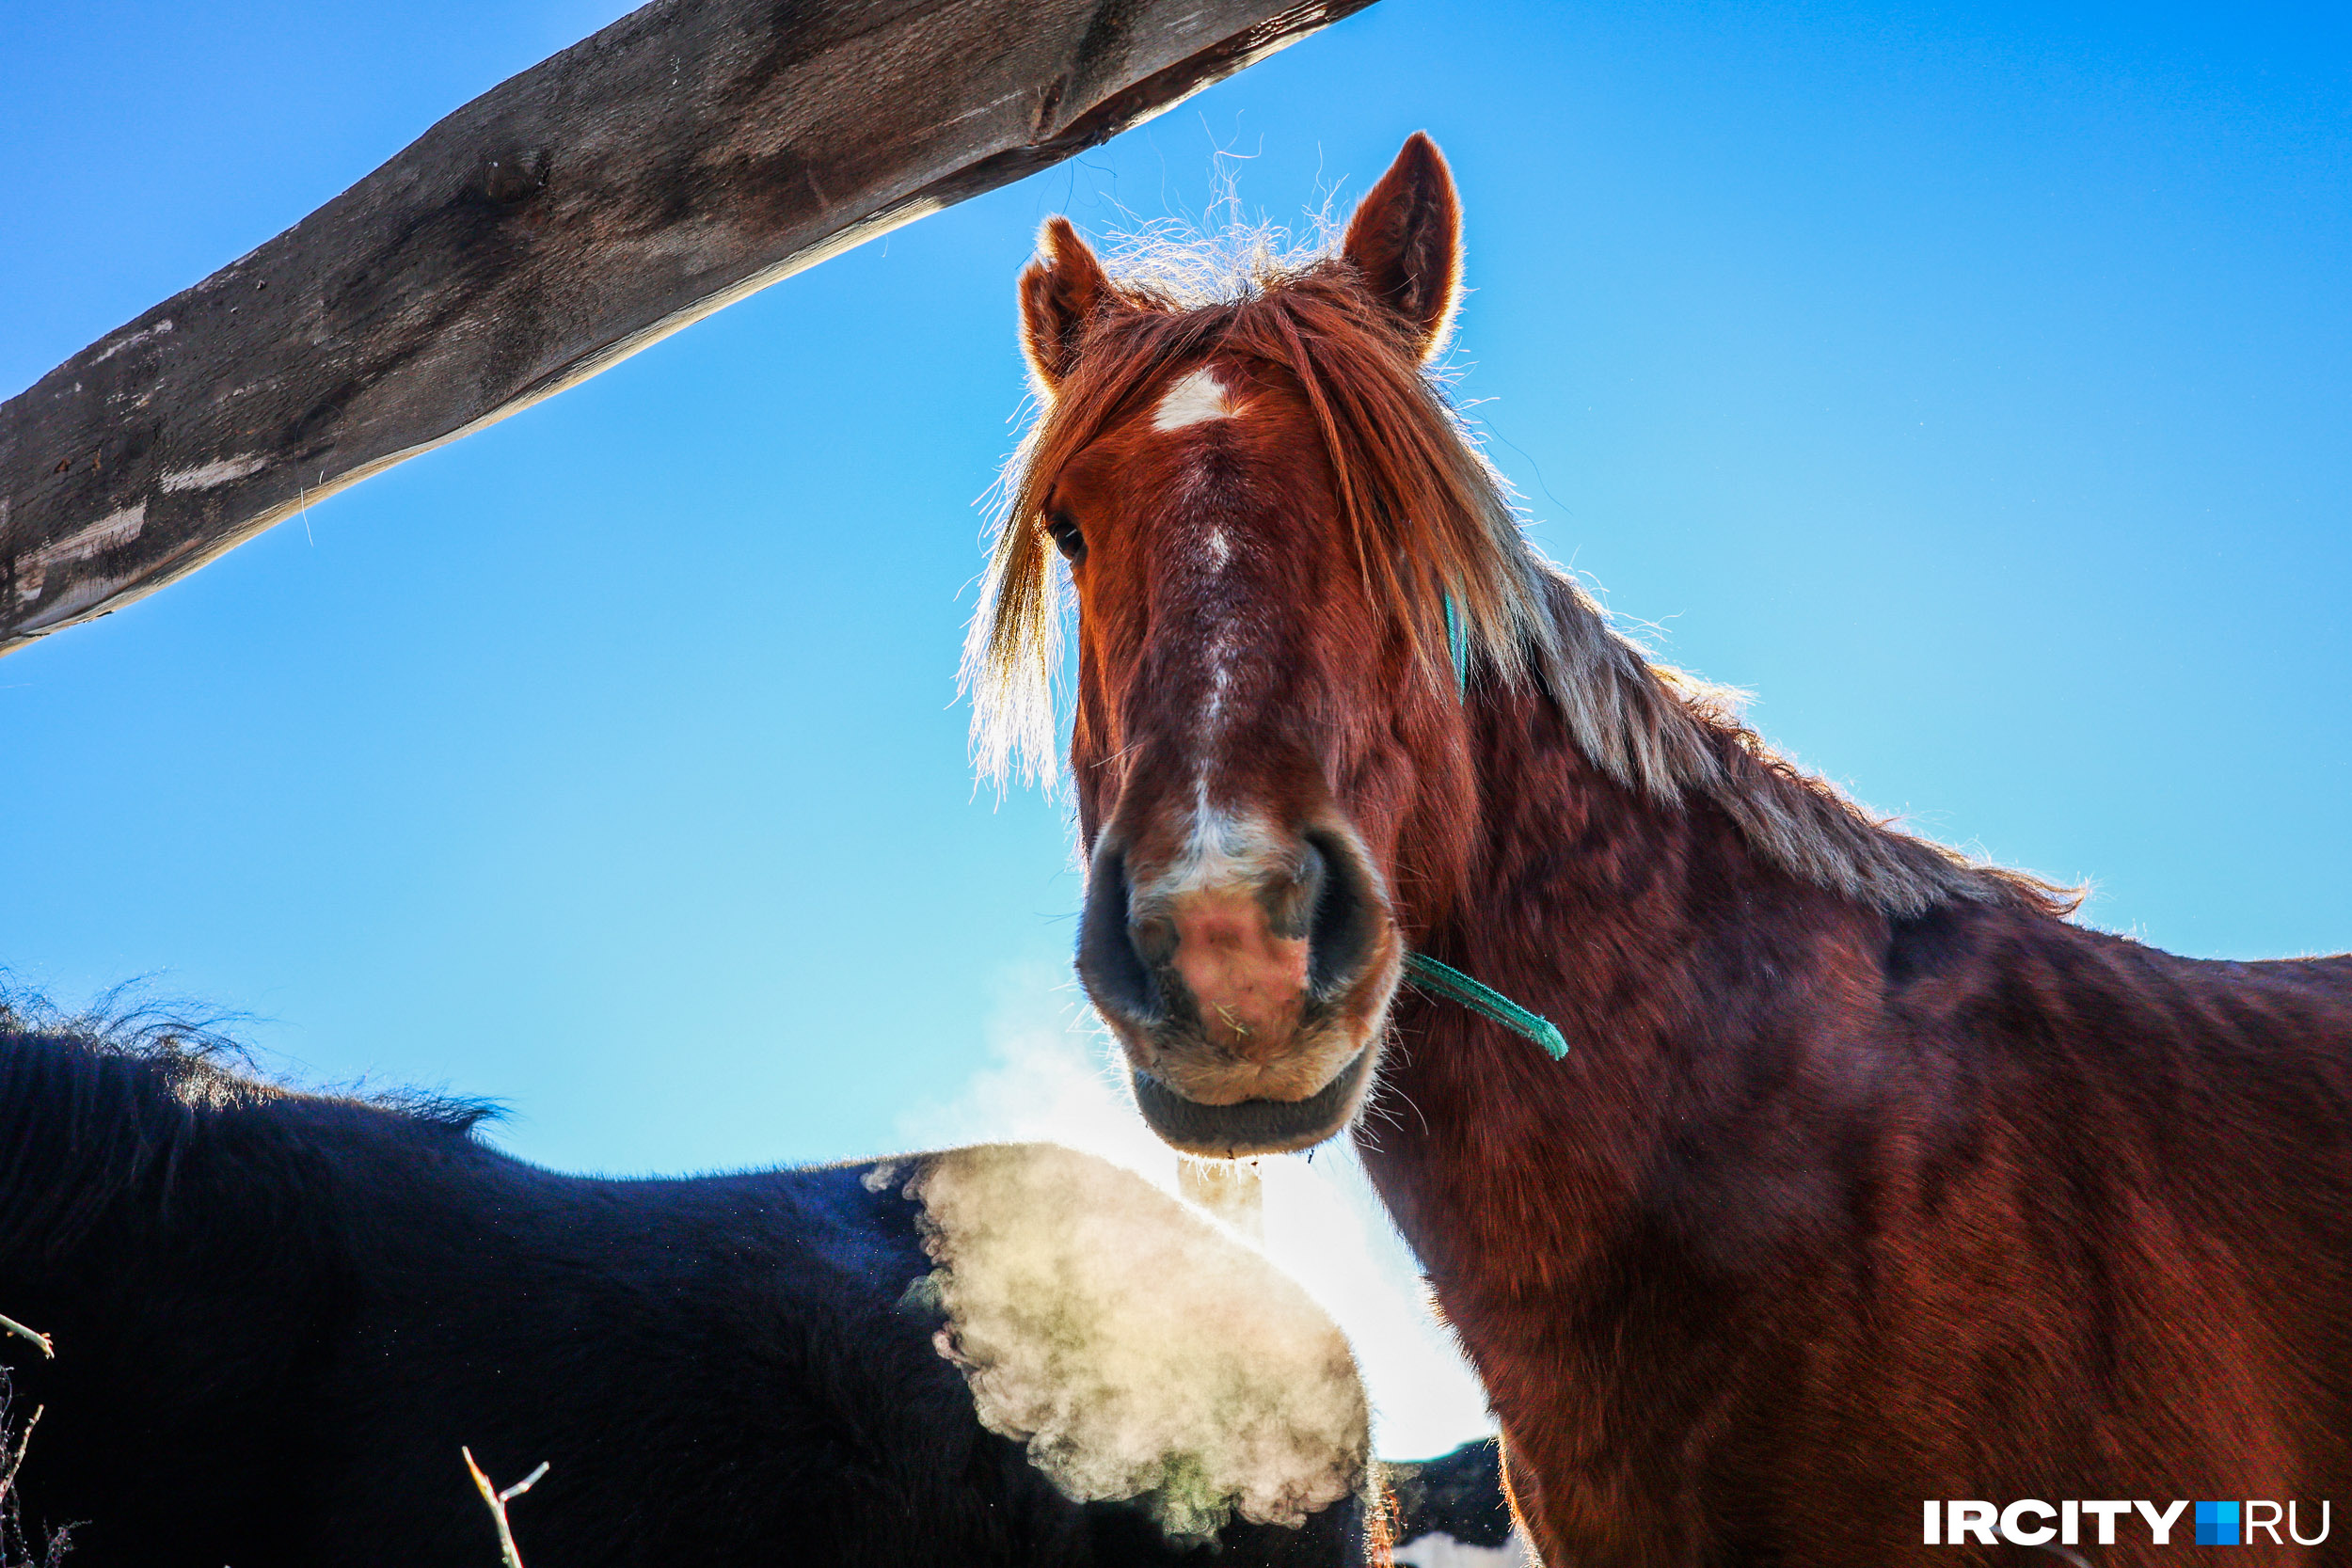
(1439,1550)
(1196,397)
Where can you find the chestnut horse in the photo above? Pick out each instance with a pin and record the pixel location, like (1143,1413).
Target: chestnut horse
(1866,1178)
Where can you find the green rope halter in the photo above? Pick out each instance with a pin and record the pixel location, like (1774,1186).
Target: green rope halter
(1427,974)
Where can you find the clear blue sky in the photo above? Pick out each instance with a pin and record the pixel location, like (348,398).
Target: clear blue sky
(1970,383)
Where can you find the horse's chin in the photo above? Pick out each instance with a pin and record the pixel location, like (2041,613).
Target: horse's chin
(1248,1127)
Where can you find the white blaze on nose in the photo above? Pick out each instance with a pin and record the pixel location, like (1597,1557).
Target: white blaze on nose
(1196,397)
(1220,678)
(1224,848)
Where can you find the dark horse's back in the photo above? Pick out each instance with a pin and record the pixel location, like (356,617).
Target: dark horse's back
(279,1318)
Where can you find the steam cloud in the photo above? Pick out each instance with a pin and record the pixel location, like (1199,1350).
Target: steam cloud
(1138,1350)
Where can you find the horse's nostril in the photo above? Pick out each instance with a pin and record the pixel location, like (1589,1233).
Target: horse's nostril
(1342,925)
(1115,973)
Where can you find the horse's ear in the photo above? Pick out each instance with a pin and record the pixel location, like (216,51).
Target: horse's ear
(1406,241)
(1060,291)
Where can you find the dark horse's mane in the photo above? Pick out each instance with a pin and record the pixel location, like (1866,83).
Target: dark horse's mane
(1428,518)
(106,1102)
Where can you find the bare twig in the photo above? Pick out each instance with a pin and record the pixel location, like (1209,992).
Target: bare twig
(16,1460)
(12,1327)
(16,1550)
(496,1500)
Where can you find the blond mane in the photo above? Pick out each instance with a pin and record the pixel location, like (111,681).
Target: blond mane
(1416,489)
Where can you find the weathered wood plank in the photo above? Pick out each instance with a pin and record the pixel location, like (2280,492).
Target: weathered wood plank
(689,153)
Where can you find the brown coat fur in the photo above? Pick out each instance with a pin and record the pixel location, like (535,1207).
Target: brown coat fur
(1830,1211)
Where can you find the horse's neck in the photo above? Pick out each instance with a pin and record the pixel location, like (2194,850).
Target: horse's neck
(1667,954)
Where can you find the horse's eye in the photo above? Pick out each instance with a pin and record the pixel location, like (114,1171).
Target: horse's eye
(1066,538)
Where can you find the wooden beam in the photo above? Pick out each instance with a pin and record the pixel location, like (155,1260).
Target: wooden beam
(691,152)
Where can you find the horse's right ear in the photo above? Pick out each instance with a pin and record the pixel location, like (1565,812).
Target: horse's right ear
(1060,291)
(1405,242)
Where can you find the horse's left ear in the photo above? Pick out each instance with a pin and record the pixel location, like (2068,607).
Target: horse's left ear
(1406,241)
(1060,291)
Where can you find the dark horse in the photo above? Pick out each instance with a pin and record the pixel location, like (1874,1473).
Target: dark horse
(1867,1178)
(277,1317)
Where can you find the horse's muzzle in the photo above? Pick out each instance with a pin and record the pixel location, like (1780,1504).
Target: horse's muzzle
(1248,999)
